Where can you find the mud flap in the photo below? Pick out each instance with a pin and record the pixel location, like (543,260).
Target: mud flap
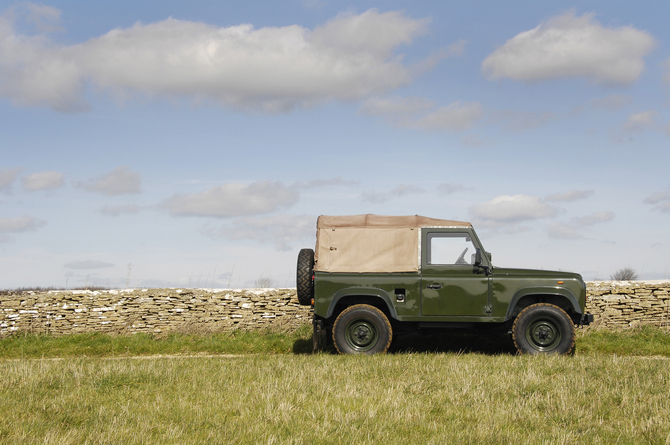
(586,320)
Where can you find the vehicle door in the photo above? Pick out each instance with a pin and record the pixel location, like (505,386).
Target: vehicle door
(451,283)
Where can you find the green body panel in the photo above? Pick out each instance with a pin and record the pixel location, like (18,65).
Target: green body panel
(463,292)
(510,285)
(330,288)
(450,293)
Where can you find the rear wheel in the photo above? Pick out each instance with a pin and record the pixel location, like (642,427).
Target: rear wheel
(362,329)
(304,274)
(543,329)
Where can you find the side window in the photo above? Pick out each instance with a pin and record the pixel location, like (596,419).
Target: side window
(450,249)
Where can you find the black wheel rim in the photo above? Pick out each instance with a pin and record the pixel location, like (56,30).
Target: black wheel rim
(543,335)
(361,335)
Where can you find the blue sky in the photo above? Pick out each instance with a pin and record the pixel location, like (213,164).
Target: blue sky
(165,143)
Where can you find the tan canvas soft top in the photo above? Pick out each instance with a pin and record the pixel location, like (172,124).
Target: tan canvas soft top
(370,221)
(372,243)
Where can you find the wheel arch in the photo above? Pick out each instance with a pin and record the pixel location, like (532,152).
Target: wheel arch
(559,297)
(352,296)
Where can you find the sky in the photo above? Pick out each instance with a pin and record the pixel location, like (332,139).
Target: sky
(194,144)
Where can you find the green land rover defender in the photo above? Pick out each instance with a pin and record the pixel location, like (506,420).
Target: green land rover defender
(371,277)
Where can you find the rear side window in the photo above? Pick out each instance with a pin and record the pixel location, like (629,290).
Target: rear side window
(450,249)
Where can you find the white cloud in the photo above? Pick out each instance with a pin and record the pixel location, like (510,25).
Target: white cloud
(405,189)
(453,117)
(120,209)
(475,141)
(120,181)
(658,197)
(563,231)
(660,201)
(267,69)
(594,218)
(7,178)
(87,264)
(44,18)
(17,225)
(20,224)
(282,230)
(375,197)
(233,200)
(409,105)
(560,230)
(420,113)
(332,182)
(368,33)
(458,48)
(450,188)
(612,102)
(35,72)
(640,122)
(571,196)
(571,46)
(401,190)
(511,209)
(43,181)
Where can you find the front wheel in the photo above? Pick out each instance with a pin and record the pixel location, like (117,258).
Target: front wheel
(543,329)
(362,329)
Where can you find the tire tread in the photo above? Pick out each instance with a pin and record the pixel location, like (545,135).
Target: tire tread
(385,320)
(304,283)
(548,305)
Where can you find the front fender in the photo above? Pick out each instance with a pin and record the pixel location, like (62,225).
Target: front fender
(543,291)
(362,292)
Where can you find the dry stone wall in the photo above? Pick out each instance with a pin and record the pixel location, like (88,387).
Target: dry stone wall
(617,304)
(150,310)
(614,304)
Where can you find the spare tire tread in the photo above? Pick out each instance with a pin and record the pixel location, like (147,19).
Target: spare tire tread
(304,282)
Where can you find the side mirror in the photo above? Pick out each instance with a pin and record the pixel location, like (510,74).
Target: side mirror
(478,257)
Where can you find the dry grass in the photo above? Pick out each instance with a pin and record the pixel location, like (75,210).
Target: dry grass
(456,389)
(401,398)
(276,339)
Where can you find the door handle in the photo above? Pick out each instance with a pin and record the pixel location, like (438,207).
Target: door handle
(434,286)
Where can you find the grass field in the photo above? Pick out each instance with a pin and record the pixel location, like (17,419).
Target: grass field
(613,390)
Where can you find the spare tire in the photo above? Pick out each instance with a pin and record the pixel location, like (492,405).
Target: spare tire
(304,281)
